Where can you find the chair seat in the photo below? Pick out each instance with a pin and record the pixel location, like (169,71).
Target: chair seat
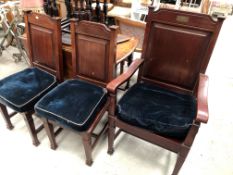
(73,104)
(158,110)
(22,90)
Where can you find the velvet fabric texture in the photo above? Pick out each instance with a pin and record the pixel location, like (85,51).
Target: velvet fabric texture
(22,90)
(156,109)
(73,104)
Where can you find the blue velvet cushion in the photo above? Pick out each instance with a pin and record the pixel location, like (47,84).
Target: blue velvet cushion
(161,111)
(73,104)
(22,90)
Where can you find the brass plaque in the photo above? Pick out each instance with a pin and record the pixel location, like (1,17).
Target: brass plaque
(183,19)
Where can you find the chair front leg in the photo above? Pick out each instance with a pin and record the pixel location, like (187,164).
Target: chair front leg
(31,127)
(180,159)
(111,122)
(50,133)
(86,137)
(6,117)
(111,135)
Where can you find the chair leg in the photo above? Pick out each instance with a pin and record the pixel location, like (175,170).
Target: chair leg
(180,160)
(50,132)
(111,135)
(31,127)
(86,137)
(6,117)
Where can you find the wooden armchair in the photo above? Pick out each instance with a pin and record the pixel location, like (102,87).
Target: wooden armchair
(22,90)
(80,103)
(169,101)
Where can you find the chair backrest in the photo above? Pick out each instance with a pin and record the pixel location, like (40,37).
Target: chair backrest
(93,51)
(177,47)
(44,42)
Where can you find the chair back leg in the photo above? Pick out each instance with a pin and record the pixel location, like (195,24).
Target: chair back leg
(6,117)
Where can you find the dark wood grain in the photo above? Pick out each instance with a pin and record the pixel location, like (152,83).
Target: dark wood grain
(44,43)
(93,51)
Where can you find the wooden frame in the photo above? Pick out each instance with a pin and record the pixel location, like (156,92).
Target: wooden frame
(173,23)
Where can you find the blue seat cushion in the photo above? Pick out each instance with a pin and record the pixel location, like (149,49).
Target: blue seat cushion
(156,109)
(22,90)
(73,104)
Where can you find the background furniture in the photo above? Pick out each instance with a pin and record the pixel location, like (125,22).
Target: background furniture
(79,9)
(79,104)
(132,28)
(169,102)
(22,90)
(34,5)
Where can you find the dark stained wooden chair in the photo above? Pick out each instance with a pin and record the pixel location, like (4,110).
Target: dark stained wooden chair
(80,103)
(22,90)
(169,101)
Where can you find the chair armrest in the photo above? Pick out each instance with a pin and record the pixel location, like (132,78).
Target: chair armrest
(114,84)
(202,99)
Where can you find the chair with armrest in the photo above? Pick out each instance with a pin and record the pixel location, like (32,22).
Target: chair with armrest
(169,101)
(22,90)
(80,103)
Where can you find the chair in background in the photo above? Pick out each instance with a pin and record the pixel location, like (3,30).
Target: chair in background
(132,28)
(22,90)
(169,102)
(80,103)
(122,8)
(33,5)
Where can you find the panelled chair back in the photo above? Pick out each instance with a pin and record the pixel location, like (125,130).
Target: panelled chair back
(93,52)
(44,43)
(169,101)
(22,90)
(80,103)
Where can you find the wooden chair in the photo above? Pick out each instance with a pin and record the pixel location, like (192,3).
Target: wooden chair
(22,90)
(80,103)
(169,101)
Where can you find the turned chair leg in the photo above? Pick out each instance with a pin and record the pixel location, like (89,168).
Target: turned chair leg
(31,127)
(86,137)
(111,135)
(50,132)
(180,160)
(6,117)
